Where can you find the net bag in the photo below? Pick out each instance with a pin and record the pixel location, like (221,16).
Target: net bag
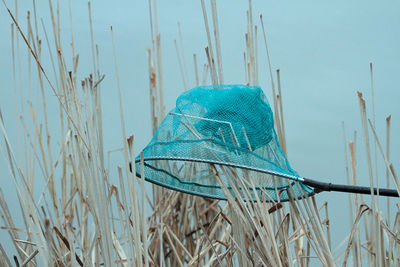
(221,134)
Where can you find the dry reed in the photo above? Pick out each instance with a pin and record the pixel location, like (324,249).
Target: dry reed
(81,219)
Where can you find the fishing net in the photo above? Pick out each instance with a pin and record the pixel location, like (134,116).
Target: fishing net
(221,136)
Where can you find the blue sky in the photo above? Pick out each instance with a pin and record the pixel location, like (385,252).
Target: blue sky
(322,48)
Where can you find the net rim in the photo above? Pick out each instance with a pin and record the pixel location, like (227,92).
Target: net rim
(202,194)
(228,164)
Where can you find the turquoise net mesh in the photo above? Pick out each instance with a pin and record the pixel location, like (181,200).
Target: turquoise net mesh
(221,134)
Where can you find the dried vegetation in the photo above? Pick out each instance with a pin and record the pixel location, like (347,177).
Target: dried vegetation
(81,219)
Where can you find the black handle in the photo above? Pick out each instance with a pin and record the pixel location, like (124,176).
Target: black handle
(321,186)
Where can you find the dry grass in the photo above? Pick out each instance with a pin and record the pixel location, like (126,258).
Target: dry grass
(82,219)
